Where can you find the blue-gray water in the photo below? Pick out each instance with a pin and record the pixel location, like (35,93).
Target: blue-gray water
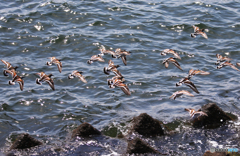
(73,31)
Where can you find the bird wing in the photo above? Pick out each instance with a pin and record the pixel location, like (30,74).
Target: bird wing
(185,92)
(234,67)
(176,64)
(204,35)
(196,29)
(51,83)
(7,64)
(116,72)
(82,79)
(59,65)
(124,59)
(191,85)
(124,88)
(21,83)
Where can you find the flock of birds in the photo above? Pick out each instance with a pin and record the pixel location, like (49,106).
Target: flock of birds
(221,62)
(118,79)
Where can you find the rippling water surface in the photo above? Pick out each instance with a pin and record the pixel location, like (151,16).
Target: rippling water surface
(73,31)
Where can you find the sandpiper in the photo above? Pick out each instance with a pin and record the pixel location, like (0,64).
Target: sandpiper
(56,61)
(170,51)
(95,58)
(45,78)
(196,72)
(77,74)
(227,64)
(122,53)
(172,60)
(195,114)
(9,67)
(117,81)
(180,93)
(221,58)
(198,31)
(187,82)
(104,51)
(113,68)
(11,71)
(18,79)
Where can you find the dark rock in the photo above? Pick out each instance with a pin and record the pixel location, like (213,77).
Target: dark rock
(25,141)
(147,126)
(85,130)
(137,146)
(216,117)
(208,153)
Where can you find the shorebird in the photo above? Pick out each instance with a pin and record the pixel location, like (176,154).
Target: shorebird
(227,64)
(11,71)
(113,68)
(9,68)
(95,58)
(195,114)
(170,51)
(196,72)
(117,81)
(45,78)
(220,59)
(18,79)
(198,31)
(172,60)
(187,82)
(56,61)
(122,53)
(77,74)
(180,93)
(104,51)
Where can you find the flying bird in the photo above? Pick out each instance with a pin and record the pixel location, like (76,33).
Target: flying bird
(117,81)
(172,60)
(170,51)
(198,31)
(227,64)
(104,51)
(195,114)
(18,79)
(187,82)
(122,53)
(180,93)
(95,58)
(56,61)
(9,68)
(221,58)
(113,68)
(192,72)
(45,78)
(77,74)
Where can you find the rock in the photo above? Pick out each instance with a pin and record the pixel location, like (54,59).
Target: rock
(85,130)
(25,141)
(216,117)
(147,126)
(208,153)
(137,146)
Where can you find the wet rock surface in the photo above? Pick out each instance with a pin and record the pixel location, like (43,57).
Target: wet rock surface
(85,130)
(208,153)
(24,141)
(216,117)
(145,125)
(138,146)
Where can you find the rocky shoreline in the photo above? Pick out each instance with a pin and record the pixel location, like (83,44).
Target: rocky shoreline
(143,125)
